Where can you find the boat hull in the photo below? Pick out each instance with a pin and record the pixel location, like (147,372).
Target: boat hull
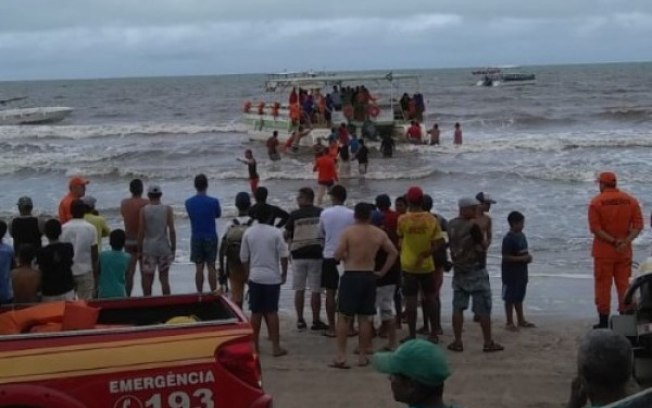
(33,116)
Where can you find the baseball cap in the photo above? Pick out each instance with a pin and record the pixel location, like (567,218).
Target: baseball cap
(89,201)
(467,202)
(25,202)
(485,198)
(417,359)
(607,177)
(154,189)
(77,181)
(414,195)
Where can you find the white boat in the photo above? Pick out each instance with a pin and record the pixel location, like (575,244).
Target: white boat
(497,76)
(383,114)
(29,116)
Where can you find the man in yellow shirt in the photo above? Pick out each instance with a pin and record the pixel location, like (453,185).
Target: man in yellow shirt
(97,220)
(419,236)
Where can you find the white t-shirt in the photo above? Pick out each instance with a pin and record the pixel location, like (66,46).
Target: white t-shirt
(263,247)
(332,222)
(82,235)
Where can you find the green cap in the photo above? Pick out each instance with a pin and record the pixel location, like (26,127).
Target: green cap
(418,359)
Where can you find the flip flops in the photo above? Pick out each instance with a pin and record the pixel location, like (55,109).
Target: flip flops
(456,347)
(340,365)
(492,347)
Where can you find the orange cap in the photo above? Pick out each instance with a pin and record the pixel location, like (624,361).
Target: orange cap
(77,181)
(607,177)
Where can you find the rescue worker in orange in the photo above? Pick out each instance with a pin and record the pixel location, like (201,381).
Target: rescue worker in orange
(615,220)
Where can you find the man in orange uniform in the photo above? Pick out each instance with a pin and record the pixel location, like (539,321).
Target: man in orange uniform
(77,189)
(615,220)
(326,174)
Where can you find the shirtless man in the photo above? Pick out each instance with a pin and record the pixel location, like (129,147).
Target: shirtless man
(272,147)
(357,248)
(483,219)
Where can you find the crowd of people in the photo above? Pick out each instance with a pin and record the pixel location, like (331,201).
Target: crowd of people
(366,261)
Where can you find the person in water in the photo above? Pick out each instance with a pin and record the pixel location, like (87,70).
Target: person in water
(253,172)
(272,147)
(295,139)
(457,136)
(387,146)
(362,156)
(434,135)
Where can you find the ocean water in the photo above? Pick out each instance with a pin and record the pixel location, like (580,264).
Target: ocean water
(535,148)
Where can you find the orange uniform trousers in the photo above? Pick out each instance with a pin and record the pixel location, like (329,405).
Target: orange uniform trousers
(606,271)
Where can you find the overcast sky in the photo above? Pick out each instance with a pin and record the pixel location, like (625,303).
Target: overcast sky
(113,38)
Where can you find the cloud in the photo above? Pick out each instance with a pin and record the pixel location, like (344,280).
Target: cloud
(92,38)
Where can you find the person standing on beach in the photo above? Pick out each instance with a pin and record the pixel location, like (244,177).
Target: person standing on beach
(470,277)
(516,258)
(55,263)
(203,210)
(25,280)
(417,372)
(157,240)
(306,246)
(26,229)
(130,210)
(326,169)
(231,267)
(457,135)
(357,248)
(113,267)
(251,168)
(6,262)
(83,237)
(264,255)
(94,218)
(362,156)
(332,221)
(419,237)
(615,220)
(77,189)
(277,213)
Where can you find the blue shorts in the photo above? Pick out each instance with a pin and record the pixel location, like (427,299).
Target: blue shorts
(514,291)
(203,250)
(263,298)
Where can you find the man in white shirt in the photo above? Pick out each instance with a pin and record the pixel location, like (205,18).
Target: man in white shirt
(262,250)
(83,237)
(332,222)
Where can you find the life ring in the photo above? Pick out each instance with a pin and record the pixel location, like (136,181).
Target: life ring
(275,109)
(348,111)
(247,107)
(261,108)
(373,111)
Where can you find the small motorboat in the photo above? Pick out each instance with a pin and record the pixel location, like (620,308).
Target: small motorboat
(31,116)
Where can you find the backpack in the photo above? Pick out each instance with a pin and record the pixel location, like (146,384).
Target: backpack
(233,239)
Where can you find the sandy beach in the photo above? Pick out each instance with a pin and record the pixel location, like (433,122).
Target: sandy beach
(534,371)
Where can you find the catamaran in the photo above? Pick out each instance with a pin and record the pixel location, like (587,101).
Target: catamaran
(336,99)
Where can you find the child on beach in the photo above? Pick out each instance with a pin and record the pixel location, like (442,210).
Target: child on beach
(113,267)
(25,280)
(251,166)
(515,271)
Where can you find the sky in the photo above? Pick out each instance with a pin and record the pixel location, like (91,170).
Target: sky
(47,39)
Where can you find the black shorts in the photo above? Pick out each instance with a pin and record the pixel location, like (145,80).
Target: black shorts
(514,291)
(412,282)
(344,153)
(326,183)
(263,298)
(357,295)
(330,276)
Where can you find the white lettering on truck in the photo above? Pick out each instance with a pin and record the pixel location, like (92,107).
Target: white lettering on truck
(160,381)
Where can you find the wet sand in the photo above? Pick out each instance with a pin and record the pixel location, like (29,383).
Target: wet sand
(535,370)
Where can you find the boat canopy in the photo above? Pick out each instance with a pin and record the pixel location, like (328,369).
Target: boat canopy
(309,80)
